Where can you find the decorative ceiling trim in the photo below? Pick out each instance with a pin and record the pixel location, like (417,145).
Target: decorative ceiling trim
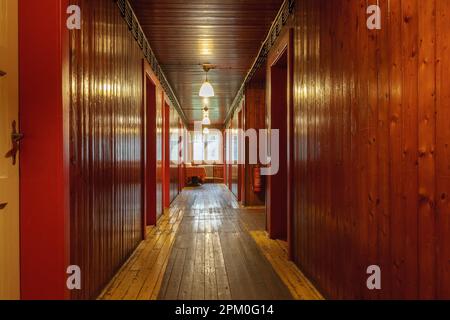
(136,29)
(280,21)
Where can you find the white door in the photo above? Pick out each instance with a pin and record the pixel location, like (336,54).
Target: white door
(9,172)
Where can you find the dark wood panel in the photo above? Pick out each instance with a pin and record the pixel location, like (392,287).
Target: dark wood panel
(371,147)
(106,144)
(105,149)
(185,34)
(442,152)
(174,154)
(255,107)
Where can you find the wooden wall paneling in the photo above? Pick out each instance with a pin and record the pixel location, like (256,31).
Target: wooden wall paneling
(317,120)
(254,119)
(312,133)
(372,152)
(371,165)
(427,146)
(396,152)
(299,138)
(442,154)
(105,145)
(324,42)
(410,143)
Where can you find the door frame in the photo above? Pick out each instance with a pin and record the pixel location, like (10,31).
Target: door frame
(166,154)
(44,114)
(284,45)
(149,214)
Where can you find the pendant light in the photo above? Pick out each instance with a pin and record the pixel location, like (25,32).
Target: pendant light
(206,120)
(207,90)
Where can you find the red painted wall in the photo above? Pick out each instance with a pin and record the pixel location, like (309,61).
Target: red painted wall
(106,145)
(44,154)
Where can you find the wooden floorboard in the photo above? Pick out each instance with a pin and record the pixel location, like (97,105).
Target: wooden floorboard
(141,276)
(277,254)
(207,247)
(224,261)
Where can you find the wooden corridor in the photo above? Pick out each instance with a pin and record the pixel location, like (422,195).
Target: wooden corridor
(202,249)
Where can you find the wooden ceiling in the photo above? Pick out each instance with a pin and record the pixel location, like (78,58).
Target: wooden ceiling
(185,34)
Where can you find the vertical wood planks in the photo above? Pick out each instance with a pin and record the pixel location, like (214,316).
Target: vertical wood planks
(371,147)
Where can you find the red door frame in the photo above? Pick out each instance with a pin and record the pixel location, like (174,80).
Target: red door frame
(181,162)
(45,155)
(285,45)
(166,155)
(241,156)
(224,155)
(149,198)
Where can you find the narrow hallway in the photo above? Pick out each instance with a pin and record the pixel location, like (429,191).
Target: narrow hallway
(224,150)
(201,250)
(214,256)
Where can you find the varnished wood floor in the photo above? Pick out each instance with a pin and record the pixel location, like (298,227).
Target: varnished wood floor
(214,256)
(206,247)
(141,276)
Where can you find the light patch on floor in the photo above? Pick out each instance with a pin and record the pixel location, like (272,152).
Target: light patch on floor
(277,253)
(141,276)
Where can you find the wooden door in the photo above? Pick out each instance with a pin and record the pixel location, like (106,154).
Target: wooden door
(9,172)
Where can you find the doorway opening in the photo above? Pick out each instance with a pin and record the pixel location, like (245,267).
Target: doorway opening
(278,195)
(150,150)
(166,156)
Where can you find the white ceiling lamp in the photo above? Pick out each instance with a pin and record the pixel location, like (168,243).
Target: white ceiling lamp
(206,120)
(207,90)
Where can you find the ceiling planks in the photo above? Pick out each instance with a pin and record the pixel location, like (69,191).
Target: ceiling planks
(184,35)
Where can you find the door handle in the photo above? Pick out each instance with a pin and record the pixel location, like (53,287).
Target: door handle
(3,205)
(16,137)
(2,73)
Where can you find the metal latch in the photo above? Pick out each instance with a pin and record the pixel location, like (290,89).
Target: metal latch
(16,137)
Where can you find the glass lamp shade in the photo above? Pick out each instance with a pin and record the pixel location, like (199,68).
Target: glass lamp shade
(207,90)
(206,121)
